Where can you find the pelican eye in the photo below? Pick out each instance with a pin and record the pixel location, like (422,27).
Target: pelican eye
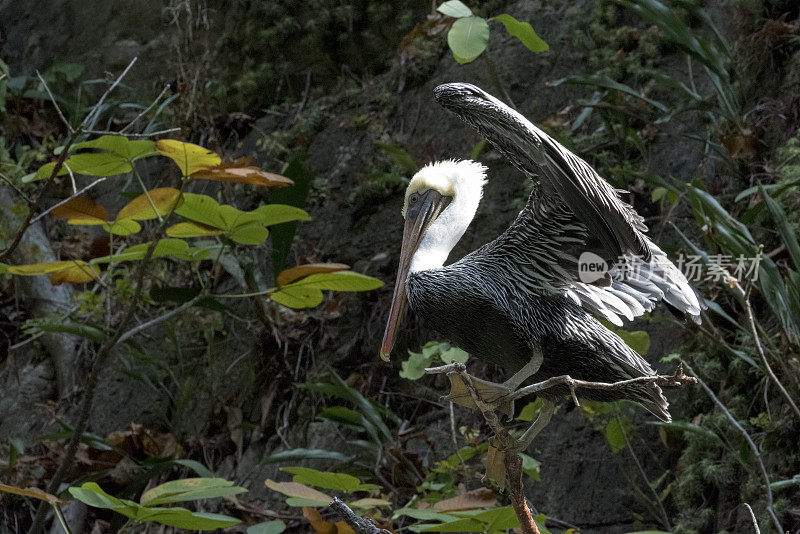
(413,199)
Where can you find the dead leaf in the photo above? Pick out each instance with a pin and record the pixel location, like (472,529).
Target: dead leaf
(240,172)
(34,493)
(319,525)
(138,441)
(81,210)
(742,144)
(495,463)
(471,500)
(301,271)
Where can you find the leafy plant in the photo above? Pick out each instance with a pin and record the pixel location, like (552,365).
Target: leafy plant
(469,34)
(414,367)
(150,507)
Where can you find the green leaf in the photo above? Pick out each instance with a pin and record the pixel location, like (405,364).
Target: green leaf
(788,235)
(192,229)
(531,410)
(454,354)
(93,495)
(189,489)
(468,38)
(268,527)
(283,235)
(120,145)
(455,9)
(293,296)
(122,227)
(530,466)
(97,164)
(165,247)
(183,518)
(253,233)
(323,479)
(281,213)
(638,340)
(499,519)
(524,32)
(403,158)
(414,367)
(306,454)
(616,432)
(601,80)
(339,281)
(196,466)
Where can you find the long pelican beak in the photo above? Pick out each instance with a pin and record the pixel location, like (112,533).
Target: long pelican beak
(418,218)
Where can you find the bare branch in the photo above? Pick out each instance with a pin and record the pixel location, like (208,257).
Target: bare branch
(151,134)
(53,100)
(144,326)
(77,193)
(360,524)
(145,110)
(105,95)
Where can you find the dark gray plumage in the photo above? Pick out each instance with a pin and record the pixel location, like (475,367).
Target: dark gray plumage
(520,301)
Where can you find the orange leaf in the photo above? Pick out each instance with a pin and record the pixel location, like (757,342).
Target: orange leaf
(77,273)
(140,208)
(81,210)
(317,523)
(238,171)
(301,271)
(35,493)
(471,500)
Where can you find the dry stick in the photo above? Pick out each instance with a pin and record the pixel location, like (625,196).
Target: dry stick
(513,463)
(750,443)
(754,331)
(145,110)
(77,193)
(359,524)
(53,99)
(99,363)
(151,134)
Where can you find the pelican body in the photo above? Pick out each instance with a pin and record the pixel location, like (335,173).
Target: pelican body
(520,301)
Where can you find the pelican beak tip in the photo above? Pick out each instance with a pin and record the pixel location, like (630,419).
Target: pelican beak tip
(385,356)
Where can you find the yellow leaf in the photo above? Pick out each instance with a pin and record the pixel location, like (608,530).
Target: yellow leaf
(301,271)
(36,269)
(81,210)
(122,227)
(34,493)
(238,171)
(77,273)
(190,158)
(165,199)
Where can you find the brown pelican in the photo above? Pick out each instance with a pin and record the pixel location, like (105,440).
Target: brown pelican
(521,301)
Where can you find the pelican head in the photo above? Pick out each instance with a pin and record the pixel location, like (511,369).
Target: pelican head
(441,201)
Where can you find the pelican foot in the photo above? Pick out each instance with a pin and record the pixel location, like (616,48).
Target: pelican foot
(493,395)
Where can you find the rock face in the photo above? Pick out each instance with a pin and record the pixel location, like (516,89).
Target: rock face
(582,482)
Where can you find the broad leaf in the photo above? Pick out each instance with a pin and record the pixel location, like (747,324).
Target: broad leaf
(189,158)
(189,489)
(192,229)
(339,281)
(281,213)
(34,493)
(323,479)
(97,164)
(468,38)
(81,210)
(299,491)
(122,227)
(79,272)
(165,199)
(268,527)
(616,430)
(297,296)
(301,271)
(455,9)
(183,518)
(524,32)
(120,145)
(238,171)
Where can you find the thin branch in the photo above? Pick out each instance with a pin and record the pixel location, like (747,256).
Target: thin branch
(750,443)
(19,191)
(753,519)
(144,326)
(145,110)
(359,524)
(757,339)
(77,193)
(105,95)
(53,100)
(151,134)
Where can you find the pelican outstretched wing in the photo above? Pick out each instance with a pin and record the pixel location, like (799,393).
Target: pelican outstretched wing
(572,210)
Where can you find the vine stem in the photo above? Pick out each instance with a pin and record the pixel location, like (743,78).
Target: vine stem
(749,441)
